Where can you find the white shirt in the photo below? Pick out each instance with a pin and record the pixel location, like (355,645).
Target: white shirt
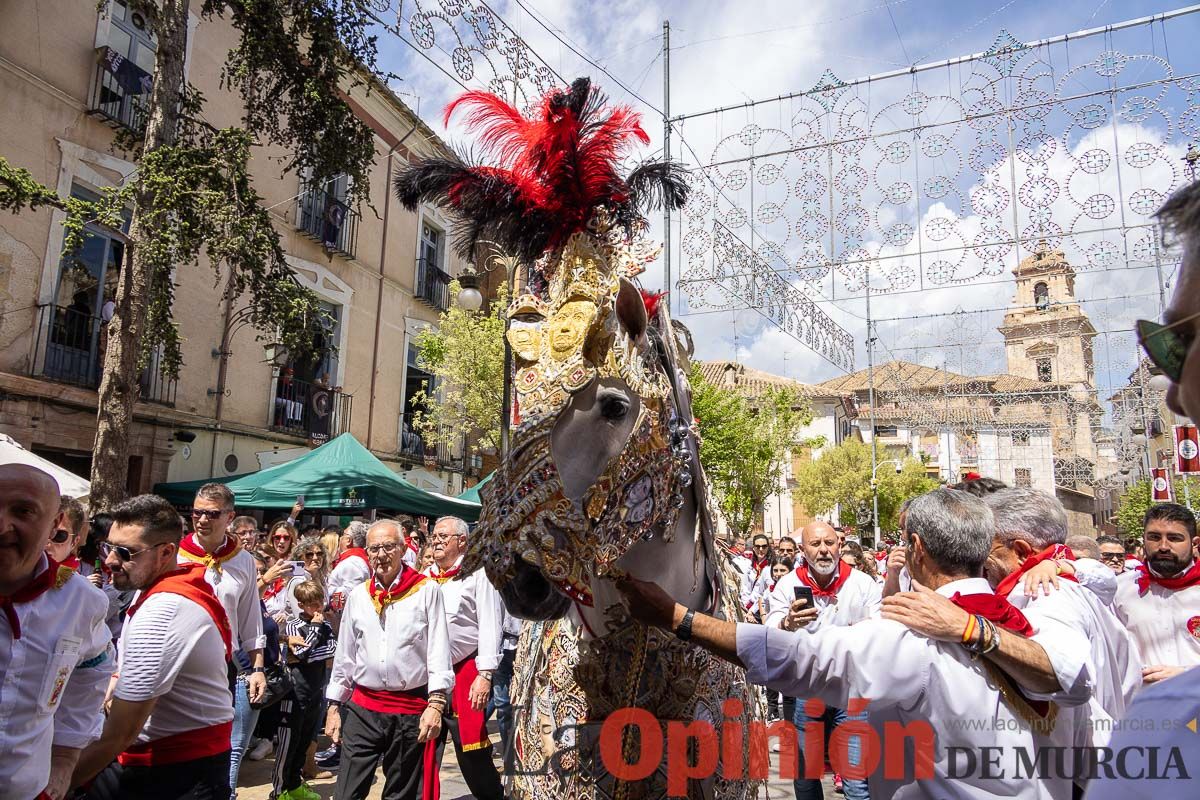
(54,680)
(349,573)
(753,586)
(913,681)
(236,587)
(1156,723)
(474,617)
(1113,663)
(512,631)
(172,650)
(858,599)
(284,601)
(407,650)
(1159,621)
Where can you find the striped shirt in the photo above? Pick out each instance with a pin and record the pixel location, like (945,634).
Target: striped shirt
(319,642)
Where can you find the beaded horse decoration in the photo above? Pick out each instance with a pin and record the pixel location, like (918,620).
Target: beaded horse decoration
(602,477)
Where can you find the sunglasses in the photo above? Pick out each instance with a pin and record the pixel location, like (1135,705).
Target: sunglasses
(122,552)
(1112,556)
(1166,347)
(282,537)
(60,536)
(315,554)
(207,513)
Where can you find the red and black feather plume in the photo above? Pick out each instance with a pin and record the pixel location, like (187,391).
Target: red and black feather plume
(548,173)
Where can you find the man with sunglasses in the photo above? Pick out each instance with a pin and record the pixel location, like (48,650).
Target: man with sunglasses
(755,579)
(168,729)
(1112,553)
(68,534)
(55,653)
(232,573)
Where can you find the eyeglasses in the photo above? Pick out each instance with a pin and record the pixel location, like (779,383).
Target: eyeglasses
(443,537)
(376,549)
(315,554)
(1118,557)
(1167,348)
(60,536)
(124,554)
(761,546)
(207,513)
(282,537)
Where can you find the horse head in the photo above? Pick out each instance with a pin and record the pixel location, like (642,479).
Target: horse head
(601,459)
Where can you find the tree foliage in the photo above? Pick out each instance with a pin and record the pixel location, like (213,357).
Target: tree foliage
(1135,502)
(465,352)
(744,444)
(841,478)
(192,191)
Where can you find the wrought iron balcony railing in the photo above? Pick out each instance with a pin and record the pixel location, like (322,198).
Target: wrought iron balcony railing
(433,285)
(324,217)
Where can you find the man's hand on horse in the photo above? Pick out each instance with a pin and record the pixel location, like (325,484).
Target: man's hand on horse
(648,602)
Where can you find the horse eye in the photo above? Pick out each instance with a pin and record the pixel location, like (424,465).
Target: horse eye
(614,408)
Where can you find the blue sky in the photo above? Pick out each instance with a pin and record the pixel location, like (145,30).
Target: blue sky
(728,52)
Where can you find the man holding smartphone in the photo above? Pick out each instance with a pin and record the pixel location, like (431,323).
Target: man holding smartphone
(823,592)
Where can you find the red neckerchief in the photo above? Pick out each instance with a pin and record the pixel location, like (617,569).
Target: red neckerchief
(407,583)
(442,577)
(192,551)
(843,575)
(759,566)
(42,582)
(1145,577)
(275,588)
(188,581)
(71,562)
(352,552)
(1051,553)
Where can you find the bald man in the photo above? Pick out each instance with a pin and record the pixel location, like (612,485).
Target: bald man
(841,595)
(55,651)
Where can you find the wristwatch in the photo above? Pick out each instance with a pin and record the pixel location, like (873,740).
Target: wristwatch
(258,670)
(684,631)
(486,674)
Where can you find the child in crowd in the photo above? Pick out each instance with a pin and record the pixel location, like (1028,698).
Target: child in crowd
(309,650)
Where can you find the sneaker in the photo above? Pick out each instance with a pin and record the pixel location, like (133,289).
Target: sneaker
(837,784)
(301,792)
(261,750)
(329,759)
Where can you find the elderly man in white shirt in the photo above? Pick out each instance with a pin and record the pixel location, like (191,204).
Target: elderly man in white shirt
(475,620)
(55,651)
(910,682)
(392,673)
(842,596)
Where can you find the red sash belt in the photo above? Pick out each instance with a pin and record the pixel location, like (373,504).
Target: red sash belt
(472,724)
(382,701)
(179,747)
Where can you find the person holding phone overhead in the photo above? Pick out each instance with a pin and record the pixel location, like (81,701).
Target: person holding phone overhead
(823,592)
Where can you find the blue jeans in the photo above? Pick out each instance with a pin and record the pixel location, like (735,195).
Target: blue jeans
(500,703)
(244,718)
(809,788)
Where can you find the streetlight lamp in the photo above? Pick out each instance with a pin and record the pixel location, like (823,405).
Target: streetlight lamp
(875,493)
(469,298)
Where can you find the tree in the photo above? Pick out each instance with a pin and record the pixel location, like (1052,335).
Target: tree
(841,478)
(192,192)
(466,355)
(1135,502)
(744,443)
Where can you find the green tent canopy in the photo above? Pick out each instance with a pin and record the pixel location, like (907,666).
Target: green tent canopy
(472,495)
(339,476)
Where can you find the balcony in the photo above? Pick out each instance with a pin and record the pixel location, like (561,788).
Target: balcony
(119,91)
(318,413)
(414,449)
(433,285)
(324,217)
(69,346)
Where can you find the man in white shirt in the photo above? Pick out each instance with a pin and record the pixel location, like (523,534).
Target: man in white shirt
(757,576)
(475,623)
(55,654)
(392,673)
(352,567)
(1112,553)
(171,716)
(1159,601)
(232,573)
(842,596)
(914,688)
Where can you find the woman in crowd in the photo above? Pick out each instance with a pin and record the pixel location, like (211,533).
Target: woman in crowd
(426,558)
(282,539)
(853,554)
(331,541)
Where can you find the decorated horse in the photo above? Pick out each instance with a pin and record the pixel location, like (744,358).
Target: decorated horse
(602,478)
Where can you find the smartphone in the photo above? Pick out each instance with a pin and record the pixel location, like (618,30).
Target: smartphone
(299,572)
(804,593)
(299,499)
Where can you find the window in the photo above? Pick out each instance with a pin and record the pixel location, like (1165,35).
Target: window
(1045,372)
(125,74)
(1041,296)
(130,36)
(432,243)
(1020,438)
(293,410)
(885,430)
(433,283)
(1022,479)
(416,381)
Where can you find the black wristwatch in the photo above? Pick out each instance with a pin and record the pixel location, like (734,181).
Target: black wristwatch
(258,670)
(684,631)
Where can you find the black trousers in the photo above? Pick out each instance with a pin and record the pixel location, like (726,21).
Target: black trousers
(202,779)
(368,737)
(476,765)
(300,713)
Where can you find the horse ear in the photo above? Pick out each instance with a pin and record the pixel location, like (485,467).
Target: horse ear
(631,310)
